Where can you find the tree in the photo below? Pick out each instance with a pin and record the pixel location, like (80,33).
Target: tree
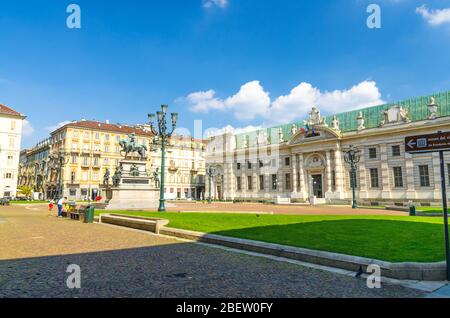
(26,191)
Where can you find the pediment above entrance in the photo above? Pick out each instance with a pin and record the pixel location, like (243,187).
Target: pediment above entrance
(316,133)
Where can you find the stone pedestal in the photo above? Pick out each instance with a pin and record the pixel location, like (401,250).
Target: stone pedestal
(135,190)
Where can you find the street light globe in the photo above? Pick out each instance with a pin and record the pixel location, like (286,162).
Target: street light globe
(164,108)
(174,118)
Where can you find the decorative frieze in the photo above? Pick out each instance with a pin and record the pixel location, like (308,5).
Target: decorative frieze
(395,115)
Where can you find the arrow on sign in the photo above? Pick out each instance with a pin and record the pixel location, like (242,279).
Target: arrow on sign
(411,143)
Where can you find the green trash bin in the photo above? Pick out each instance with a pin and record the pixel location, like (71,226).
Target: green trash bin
(412,210)
(89,214)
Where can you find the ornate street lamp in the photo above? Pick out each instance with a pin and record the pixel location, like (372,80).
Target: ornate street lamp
(59,161)
(352,157)
(212,171)
(161,137)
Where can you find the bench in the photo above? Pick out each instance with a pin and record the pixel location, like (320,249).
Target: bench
(397,208)
(135,222)
(78,213)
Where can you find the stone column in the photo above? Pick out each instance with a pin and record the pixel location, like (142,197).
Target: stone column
(328,173)
(409,167)
(229,181)
(255,181)
(294,174)
(301,171)
(361,180)
(386,190)
(339,172)
(280,178)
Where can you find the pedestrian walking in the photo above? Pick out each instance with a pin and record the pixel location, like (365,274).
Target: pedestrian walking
(51,204)
(60,206)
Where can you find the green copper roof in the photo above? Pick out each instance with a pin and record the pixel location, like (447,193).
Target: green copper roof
(417,109)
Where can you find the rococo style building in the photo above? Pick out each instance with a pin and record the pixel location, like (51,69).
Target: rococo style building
(304,161)
(75,159)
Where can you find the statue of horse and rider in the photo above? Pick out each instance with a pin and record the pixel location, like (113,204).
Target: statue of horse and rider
(130,145)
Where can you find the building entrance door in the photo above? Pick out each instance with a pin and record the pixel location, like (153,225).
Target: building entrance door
(219,193)
(317,186)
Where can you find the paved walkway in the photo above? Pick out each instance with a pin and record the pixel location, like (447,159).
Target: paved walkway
(279,209)
(36,248)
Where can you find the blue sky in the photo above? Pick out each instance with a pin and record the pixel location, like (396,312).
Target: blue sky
(226,62)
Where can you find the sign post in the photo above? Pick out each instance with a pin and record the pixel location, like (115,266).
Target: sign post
(439,142)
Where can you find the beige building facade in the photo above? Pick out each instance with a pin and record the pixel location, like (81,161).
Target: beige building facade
(80,153)
(304,161)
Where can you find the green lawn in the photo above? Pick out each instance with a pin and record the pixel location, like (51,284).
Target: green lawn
(389,238)
(430,209)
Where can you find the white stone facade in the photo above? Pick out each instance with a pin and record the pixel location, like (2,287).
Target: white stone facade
(309,166)
(10,139)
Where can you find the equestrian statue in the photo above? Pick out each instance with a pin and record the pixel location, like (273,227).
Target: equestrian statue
(130,145)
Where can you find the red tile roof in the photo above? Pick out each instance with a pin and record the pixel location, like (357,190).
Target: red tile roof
(9,111)
(96,125)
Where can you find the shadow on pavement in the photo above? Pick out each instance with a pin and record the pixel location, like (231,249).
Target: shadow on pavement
(178,270)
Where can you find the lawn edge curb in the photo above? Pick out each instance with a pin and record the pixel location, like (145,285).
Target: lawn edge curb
(403,271)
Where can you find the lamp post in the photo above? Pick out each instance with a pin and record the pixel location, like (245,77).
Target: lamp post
(352,157)
(163,136)
(211,172)
(59,160)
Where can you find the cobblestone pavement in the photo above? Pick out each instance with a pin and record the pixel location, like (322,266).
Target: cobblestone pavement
(278,209)
(36,248)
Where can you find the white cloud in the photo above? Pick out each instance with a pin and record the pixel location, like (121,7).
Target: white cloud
(27,129)
(250,101)
(58,125)
(434,17)
(253,101)
(215,3)
(246,104)
(203,102)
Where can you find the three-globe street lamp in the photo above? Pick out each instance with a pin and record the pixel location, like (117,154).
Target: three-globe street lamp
(352,157)
(162,136)
(212,171)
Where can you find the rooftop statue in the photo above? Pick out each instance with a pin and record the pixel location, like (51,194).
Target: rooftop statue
(280,135)
(432,108)
(262,138)
(294,129)
(315,119)
(246,141)
(361,121)
(335,123)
